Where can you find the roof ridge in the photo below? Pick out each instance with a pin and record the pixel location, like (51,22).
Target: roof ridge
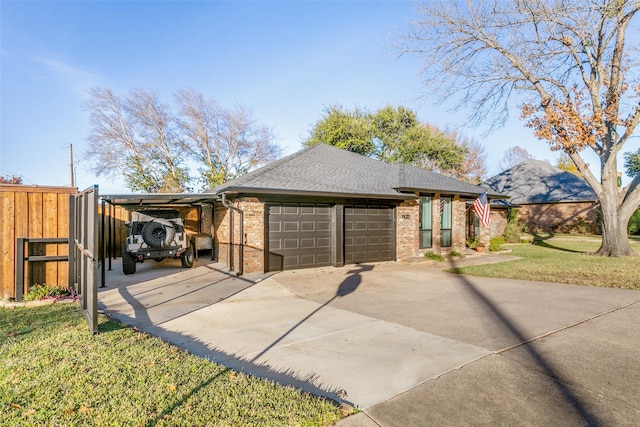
(250,176)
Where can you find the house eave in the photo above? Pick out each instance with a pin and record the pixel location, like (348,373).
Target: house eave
(284,192)
(491,195)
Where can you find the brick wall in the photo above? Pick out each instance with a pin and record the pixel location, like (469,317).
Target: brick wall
(459,225)
(498,222)
(254,234)
(559,217)
(221,233)
(407,229)
(252,238)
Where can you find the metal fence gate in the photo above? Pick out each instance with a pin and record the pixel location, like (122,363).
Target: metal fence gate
(84,250)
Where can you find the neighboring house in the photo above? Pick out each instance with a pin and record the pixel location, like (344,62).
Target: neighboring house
(549,199)
(324,206)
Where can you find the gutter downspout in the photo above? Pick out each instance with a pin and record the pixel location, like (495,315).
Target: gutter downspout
(232,208)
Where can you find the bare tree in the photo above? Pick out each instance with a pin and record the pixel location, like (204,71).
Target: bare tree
(567,62)
(225,142)
(473,169)
(10,179)
(134,138)
(513,157)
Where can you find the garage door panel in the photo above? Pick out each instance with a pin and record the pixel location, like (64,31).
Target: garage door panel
(307,243)
(290,210)
(290,226)
(369,233)
(307,226)
(360,225)
(299,236)
(360,240)
(323,226)
(323,242)
(275,244)
(290,244)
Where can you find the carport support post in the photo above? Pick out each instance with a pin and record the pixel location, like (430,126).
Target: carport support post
(109,241)
(103,246)
(232,208)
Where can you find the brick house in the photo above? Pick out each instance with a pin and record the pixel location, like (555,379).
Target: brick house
(548,199)
(324,206)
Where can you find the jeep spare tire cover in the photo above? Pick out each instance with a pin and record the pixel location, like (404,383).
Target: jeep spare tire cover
(171,233)
(154,234)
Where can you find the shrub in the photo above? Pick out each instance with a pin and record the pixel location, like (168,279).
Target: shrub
(38,292)
(455,253)
(473,243)
(634,223)
(434,256)
(513,229)
(495,244)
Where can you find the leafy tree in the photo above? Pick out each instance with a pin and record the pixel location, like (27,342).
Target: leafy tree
(565,163)
(349,130)
(570,63)
(632,163)
(389,134)
(634,223)
(513,157)
(10,179)
(225,142)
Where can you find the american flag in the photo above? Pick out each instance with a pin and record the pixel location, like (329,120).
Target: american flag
(481,207)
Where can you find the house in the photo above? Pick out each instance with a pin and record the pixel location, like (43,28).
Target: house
(324,206)
(549,199)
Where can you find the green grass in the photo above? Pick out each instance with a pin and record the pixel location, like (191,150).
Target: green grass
(54,372)
(564,259)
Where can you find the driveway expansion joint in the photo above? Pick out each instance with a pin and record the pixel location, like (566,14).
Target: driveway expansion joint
(564,328)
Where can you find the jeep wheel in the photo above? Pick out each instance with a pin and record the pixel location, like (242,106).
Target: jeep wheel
(187,258)
(154,234)
(128,263)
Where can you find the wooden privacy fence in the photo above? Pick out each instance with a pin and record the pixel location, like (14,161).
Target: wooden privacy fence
(42,212)
(33,212)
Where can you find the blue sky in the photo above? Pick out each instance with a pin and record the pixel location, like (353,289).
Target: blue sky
(286,61)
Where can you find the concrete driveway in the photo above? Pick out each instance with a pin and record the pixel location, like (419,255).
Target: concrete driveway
(407,343)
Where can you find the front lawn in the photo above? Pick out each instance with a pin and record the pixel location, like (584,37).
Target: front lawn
(54,372)
(564,259)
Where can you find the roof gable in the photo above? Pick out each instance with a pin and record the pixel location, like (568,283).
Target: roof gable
(535,181)
(327,169)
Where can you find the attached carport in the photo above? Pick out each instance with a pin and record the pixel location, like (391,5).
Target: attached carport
(197,209)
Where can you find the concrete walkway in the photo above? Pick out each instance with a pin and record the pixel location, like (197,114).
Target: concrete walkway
(407,343)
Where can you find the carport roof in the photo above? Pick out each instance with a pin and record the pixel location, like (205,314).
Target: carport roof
(158,199)
(327,170)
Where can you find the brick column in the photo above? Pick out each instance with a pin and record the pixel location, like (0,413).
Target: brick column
(407,229)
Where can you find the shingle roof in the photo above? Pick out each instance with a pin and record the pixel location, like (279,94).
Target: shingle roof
(325,169)
(535,181)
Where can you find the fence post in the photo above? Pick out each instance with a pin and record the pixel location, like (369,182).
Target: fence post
(19,268)
(72,244)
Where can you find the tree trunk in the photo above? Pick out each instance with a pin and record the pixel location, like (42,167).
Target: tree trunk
(615,241)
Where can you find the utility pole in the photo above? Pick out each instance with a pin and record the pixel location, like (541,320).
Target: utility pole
(73,181)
